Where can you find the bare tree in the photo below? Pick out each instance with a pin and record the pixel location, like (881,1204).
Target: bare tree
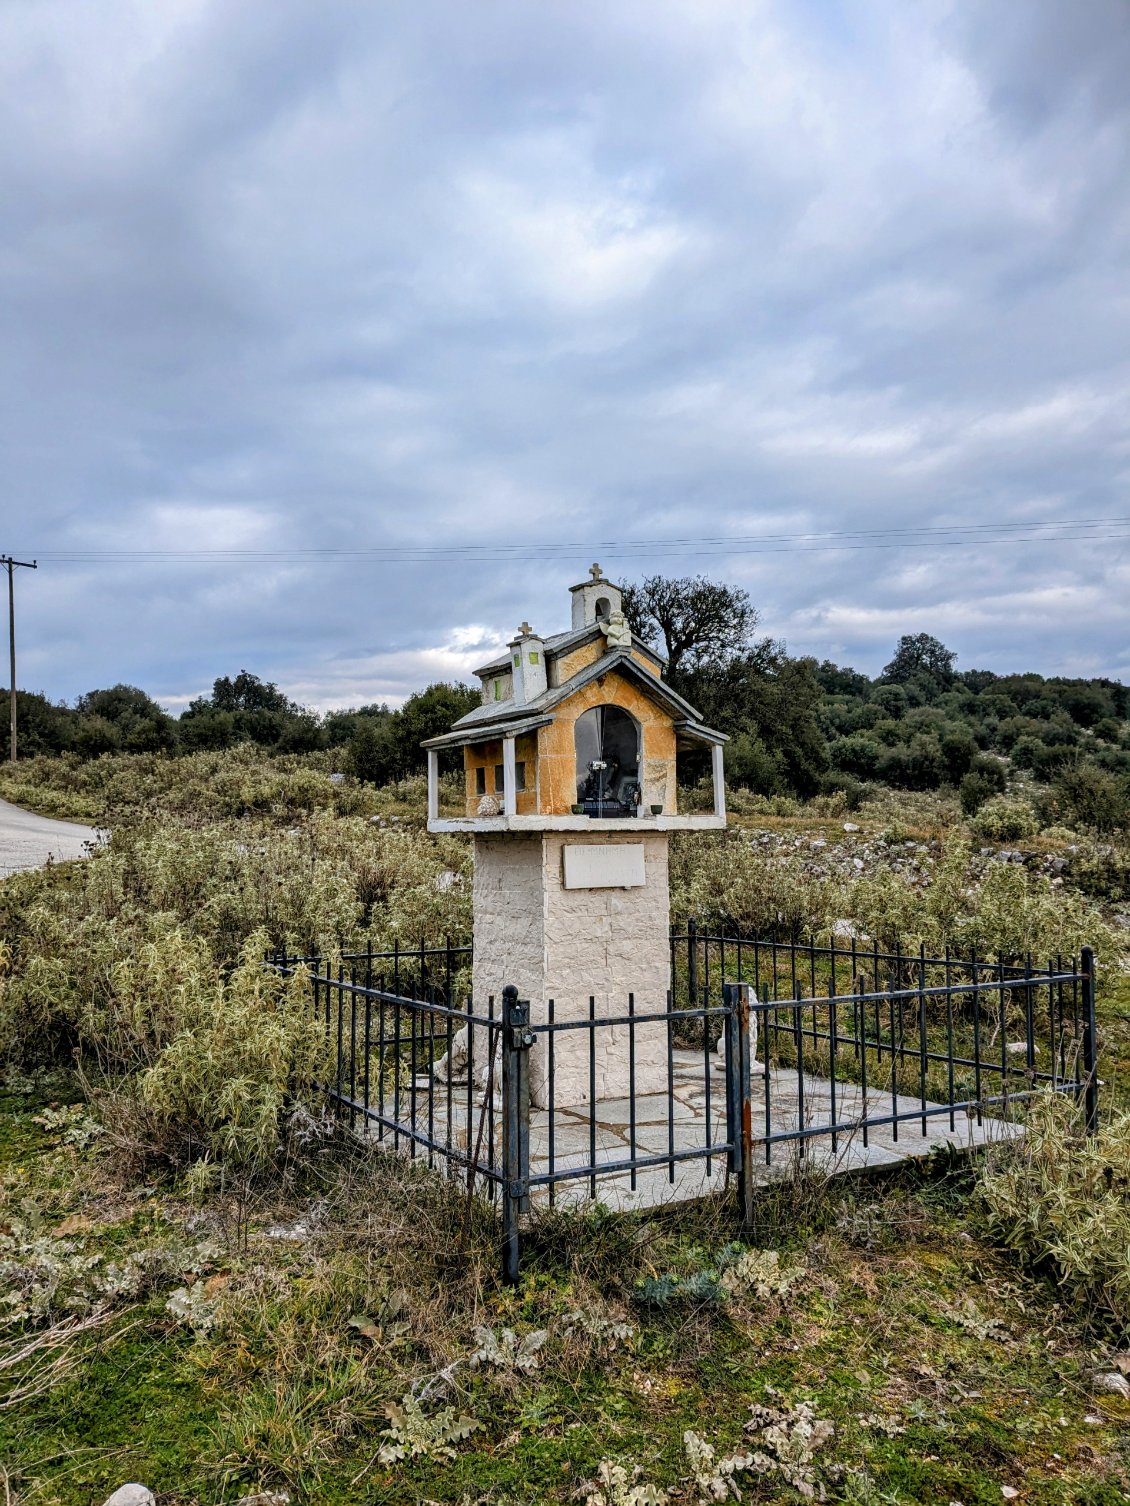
(697,621)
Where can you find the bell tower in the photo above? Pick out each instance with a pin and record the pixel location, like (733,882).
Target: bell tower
(594,600)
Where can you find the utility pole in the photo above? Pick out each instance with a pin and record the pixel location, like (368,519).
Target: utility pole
(12,566)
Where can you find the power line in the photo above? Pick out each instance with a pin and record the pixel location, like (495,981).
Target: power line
(989,535)
(12,565)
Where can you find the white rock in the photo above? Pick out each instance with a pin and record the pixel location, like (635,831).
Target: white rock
(850,826)
(297,1231)
(452,1066)
(1112,1381)
(131,1495)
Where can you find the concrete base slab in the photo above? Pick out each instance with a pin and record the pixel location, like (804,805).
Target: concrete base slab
(693,1118)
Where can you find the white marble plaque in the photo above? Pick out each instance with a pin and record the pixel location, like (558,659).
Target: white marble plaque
(613,865)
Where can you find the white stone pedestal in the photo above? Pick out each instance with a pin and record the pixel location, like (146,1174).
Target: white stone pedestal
(568,930)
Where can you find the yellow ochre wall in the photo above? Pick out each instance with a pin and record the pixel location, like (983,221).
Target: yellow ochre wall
(488,755)
(551,759)
(568,665)
(557,757)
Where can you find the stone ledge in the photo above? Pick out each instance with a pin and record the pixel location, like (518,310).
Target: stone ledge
(491,824)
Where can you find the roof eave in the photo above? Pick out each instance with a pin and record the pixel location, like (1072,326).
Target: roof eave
(699,732)
(487,732)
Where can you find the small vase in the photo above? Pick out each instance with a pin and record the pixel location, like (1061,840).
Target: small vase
(656,810)
(578,810)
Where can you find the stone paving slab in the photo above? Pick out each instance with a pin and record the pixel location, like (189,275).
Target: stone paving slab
(681,1124)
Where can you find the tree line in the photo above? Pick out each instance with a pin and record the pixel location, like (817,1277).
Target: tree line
(803,726)
(797,725)
(378,743)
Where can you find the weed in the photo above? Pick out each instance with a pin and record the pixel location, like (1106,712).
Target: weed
(412,1432)
(1060,1200)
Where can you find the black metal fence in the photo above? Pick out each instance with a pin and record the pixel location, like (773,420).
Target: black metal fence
(976,1032)
(765,1052)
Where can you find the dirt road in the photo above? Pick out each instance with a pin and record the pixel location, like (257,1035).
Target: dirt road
(28,841)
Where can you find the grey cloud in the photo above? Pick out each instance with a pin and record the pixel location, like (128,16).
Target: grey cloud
(289,276)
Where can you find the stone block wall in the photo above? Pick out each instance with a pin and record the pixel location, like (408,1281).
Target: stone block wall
(572,944)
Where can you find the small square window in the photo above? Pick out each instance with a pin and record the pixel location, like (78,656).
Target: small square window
(499,779)
(520,775)
(517,660)
(480,781)
(534,656)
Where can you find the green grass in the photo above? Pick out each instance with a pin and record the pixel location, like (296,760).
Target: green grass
(946,1371)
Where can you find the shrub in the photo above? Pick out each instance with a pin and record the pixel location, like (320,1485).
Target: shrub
(1093,797)
(747,889)
(107,955)
(858,754)
(958,752)
(1004,819)
(1060,1200)
(852,790)
(925,767)
(219,1087)
(998,909)
(1027,753)
(751,766)
(975,789)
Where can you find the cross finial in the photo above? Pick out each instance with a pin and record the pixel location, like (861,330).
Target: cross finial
(525,630)
(594,571)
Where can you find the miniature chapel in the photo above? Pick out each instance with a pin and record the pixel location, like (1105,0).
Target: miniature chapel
(570,790)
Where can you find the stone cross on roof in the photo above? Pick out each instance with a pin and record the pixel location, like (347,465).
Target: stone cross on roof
(594,571)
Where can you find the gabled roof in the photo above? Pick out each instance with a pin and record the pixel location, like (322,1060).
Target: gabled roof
(508,719)
(563,643)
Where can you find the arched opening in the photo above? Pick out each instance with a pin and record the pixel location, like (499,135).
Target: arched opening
(607,742)
(603,609)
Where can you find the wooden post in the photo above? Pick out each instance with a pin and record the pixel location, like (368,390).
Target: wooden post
(12,643)
(11,565)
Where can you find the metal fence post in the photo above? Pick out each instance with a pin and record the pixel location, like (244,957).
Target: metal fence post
(733,1077)
(516,1042)
(1090,1052)
(692,965)
(739,1095)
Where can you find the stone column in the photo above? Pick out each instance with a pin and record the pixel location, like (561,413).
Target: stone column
(576,942)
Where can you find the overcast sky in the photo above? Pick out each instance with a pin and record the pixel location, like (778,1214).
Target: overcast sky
(569,280)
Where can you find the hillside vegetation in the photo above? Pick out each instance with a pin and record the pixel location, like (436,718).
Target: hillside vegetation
(797,726)
(206,1286)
